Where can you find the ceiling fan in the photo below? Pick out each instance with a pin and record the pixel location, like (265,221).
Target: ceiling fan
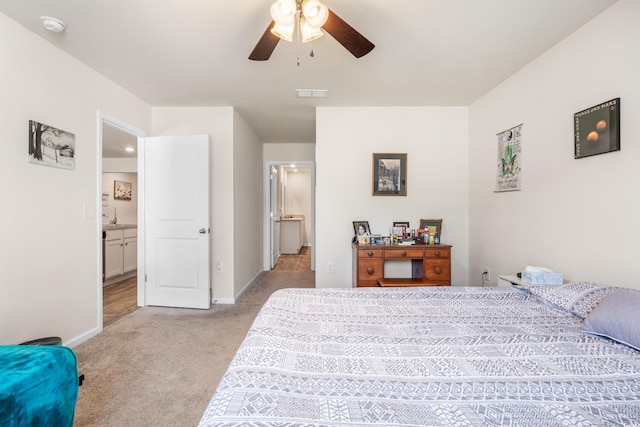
(312,17)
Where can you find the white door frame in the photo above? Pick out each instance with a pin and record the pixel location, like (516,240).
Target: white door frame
(266,214)
(139,133)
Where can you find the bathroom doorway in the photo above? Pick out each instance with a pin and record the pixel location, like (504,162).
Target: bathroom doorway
(289,212)
(120,289)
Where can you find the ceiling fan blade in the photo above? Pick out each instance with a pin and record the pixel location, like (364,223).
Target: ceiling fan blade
(347,36)
(265,45)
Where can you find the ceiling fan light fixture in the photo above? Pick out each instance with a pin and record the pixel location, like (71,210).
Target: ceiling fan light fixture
(315,13)
(285,32)
(309,33)
(283,12)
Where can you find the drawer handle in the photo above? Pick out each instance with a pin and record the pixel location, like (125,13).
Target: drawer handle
(370,270)
(437,270)
(370,253)
(403,253)
(437,253)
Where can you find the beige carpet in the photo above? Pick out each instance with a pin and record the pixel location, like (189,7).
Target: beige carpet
(160,366)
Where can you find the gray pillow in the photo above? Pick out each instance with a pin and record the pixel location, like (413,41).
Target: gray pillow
(617,317)
(579,297)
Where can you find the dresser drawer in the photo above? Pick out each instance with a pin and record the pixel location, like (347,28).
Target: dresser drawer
(403,253)
(437,269)
(370,269)
(437,252)
(369,253)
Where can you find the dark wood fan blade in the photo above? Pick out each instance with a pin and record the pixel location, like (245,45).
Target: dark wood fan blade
(265,45)
(347,36)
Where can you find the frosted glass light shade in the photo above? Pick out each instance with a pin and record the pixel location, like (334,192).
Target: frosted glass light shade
(285,32)
(315,13)
(283,12)
(309,33)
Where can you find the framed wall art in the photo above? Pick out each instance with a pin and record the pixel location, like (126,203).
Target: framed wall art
(389,174)
(509,159)
(121,190)
(597,129)
(51,146)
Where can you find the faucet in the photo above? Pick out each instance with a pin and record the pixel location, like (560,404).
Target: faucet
(115,218)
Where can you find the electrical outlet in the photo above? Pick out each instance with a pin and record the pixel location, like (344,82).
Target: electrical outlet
(486,273)
(330,269)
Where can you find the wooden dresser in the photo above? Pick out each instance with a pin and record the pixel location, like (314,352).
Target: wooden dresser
(430,265)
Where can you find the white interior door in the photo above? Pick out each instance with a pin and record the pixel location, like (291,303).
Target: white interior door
(177,241)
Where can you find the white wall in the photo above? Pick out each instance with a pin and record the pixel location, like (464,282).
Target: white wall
(578,217)
(288,152)
(247,238)
(436,142)
(50,266)
(297,197)
(126,211)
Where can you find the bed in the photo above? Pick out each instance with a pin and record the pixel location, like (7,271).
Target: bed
(436,356)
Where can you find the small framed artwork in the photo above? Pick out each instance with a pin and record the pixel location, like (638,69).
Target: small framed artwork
(398,231)
(431,226)
(51,146)
(389,174)
(121,190)
(105,198)
(404,225)
(597,129)
(361,228)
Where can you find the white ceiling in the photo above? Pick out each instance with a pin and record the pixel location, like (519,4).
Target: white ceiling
(194,52)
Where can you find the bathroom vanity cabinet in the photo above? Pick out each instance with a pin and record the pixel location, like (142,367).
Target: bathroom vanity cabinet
(120,251)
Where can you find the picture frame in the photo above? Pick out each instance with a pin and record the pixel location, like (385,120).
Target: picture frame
(597,129)
(361,231)
(121,190)
(405,228)
(389,174)
(429,225)
(51,146)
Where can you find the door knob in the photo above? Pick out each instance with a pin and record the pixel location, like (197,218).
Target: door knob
(202,231)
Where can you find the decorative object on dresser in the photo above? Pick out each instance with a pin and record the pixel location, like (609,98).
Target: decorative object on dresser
(389,174)
(597,129)
(431,226)
(430,265)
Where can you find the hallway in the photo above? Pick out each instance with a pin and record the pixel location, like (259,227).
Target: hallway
(299,262)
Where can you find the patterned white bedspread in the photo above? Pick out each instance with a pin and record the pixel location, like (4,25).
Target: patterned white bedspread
(445,356)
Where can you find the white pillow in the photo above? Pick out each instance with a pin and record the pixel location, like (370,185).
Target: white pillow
(617,317)
(579,297)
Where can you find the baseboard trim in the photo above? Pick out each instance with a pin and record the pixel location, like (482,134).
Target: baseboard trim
(82,338)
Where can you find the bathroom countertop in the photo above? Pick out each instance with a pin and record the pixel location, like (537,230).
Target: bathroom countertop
(118,227)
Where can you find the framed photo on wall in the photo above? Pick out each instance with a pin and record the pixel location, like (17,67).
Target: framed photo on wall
(389,174)
(597,129)
(121,190)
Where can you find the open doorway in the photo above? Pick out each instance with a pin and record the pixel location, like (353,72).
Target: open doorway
(120,288)
(289,215)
